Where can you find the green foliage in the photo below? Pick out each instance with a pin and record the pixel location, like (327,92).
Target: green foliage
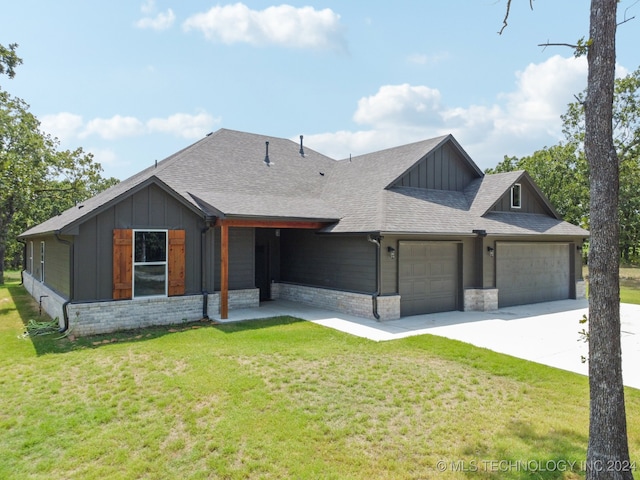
(9,60)
(37,180)
(582,47)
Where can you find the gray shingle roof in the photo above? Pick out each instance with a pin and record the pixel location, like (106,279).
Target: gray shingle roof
(224,174)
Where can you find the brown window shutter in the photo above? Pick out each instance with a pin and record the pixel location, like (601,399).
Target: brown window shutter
(176,262)
(122,263)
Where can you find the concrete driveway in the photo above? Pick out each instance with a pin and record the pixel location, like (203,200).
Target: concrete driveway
(546,333)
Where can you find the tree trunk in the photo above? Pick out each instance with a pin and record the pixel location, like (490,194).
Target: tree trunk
(608,452)
(2,252)
(3,247)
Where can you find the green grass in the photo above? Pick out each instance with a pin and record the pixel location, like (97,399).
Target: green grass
(279,398)
(629,284)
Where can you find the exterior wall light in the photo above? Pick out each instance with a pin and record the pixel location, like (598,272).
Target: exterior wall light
(491,251)
(392,252)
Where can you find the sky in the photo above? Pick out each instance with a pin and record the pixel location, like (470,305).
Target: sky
(133,82)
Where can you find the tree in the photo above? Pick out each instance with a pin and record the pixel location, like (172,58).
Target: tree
(24,163)
(607,419)
(9,60)
(626,139)
(608,451)
(36,179)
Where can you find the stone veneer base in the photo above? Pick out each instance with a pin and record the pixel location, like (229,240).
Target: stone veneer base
(109,316)
(480,299)
(357,304)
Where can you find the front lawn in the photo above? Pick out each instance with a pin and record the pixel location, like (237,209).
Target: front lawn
(280,398)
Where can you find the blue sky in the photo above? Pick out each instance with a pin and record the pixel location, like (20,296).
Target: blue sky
(135,81)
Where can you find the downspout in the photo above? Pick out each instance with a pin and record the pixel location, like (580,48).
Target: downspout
(376,294)
(24,259)
(203,268)
(65,312)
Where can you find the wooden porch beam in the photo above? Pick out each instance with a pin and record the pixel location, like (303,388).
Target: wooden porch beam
(225,224)
(224,272)
(237,222)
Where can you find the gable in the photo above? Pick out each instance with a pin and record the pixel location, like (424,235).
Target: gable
(444,168)
(531,200)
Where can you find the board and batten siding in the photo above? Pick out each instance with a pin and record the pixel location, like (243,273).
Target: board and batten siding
(149,208)
(529,199)
(56,263)
(442,169)
(241,258)
(338,262)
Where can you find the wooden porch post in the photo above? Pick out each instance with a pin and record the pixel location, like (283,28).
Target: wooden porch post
(224,271)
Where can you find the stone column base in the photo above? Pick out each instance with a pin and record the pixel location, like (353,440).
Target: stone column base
(480,299)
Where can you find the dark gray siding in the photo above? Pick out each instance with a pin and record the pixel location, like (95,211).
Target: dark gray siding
(57,266)
(442,169)
(530,202)
(151,207)
(241,258)
(340,262)
(389,266)
(56,263)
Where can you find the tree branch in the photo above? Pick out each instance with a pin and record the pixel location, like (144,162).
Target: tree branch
(558,45)
(506,15)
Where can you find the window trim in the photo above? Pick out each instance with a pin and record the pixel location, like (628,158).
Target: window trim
(42,251)
(134,264)
(513,195)
(31,257)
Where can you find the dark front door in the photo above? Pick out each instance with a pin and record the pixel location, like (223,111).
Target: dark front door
(263,274)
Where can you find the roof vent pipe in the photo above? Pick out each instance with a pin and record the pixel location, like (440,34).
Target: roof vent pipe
(301,149)
(266,157)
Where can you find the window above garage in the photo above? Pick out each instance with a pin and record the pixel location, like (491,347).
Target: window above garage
(516,196)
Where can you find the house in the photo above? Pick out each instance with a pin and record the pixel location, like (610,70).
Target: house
(239,218)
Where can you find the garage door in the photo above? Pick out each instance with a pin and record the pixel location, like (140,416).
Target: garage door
(532,272)
(428,277)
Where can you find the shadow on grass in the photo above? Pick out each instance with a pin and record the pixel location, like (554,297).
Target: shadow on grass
(258,324)
(561,455)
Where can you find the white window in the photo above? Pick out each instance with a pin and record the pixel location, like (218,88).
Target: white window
(42,262)
(150,249)
(516,196)
(31,257)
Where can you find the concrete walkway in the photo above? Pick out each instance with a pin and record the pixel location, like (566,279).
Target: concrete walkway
(546,333)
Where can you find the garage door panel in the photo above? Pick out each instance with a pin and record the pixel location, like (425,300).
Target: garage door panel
(428,277)
(532,272)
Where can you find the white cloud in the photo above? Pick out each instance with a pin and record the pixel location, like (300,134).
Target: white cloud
(148,7)
(282,25)
(113,128)
(68,126)
(184,125)
(63,125)
(105,157)
(517,123)
(161,21)
(399,105)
